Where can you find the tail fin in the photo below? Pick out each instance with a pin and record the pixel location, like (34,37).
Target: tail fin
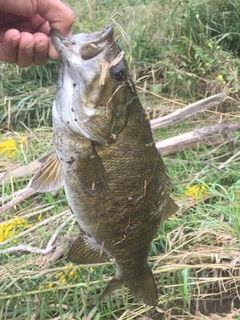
(113,285)
(142,288)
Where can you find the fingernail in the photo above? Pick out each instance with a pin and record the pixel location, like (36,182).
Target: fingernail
(29,48)
(15,41)
(42,47)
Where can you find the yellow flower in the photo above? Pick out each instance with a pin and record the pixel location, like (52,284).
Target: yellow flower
(220,76)
(67,275)
(63,279)
(50,285)
(218,47)
(11,228)
(196,191)
(210,45)
(8,147)
(207,64)
(40,217)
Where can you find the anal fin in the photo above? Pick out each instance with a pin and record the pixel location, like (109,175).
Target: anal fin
(82,253)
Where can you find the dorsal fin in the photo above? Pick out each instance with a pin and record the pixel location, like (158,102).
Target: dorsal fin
(170,208)
(49,177)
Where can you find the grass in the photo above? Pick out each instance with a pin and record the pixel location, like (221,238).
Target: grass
(182,51)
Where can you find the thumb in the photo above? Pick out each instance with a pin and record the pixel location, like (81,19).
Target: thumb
(58,15)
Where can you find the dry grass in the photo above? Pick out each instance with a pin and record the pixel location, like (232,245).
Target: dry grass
(190,273)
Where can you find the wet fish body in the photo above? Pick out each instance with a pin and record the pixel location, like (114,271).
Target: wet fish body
(114,178)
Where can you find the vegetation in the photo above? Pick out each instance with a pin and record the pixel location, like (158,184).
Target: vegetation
(179,52)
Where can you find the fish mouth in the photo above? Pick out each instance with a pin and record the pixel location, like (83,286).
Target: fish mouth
(85,45)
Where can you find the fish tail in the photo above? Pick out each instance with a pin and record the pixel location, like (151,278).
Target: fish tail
(114,284)
(142,287)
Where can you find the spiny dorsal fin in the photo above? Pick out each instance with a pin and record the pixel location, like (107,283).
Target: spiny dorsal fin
(49,177)
(164,176)
(170,208)
(82,253)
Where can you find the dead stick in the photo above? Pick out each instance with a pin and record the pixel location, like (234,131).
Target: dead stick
(20,172)
(24,194)
(225,164)
(186,112)
(211,135)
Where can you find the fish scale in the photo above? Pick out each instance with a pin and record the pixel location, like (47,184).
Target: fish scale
(114,178)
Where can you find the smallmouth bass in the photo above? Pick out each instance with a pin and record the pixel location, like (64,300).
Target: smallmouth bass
(105,157)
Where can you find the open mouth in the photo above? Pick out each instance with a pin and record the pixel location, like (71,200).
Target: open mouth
(89,45)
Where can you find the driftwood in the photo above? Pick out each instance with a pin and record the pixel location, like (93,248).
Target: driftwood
(186,112)
(20,172)
(210,136)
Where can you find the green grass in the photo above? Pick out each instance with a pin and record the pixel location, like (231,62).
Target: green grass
(176,50)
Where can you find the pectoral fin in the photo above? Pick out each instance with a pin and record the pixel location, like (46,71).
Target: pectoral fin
(49,177)
(82,253)
(91,172)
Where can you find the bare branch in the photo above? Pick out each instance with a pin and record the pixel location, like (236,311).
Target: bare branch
(18,197)
(210,136)
(186,112)
(20,172)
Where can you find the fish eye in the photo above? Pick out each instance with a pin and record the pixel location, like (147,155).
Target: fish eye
(117,73)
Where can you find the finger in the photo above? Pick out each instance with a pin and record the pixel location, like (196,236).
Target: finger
(60,17)
(41,45)
(25,50)
(9,50)
(52,52)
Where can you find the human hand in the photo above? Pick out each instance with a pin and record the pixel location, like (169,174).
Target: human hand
(24,30)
